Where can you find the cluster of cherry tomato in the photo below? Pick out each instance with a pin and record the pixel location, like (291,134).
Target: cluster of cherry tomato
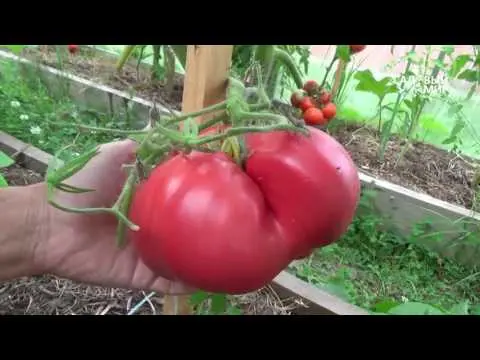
(315,104)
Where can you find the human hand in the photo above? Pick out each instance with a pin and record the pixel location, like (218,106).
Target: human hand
(82,247)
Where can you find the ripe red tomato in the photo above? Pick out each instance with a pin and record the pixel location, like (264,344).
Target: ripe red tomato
(314,116)
(72,49)
(306,103)
(222,228)
(296,98)
(310,86)
(325,97)
(357,48)
(329,111)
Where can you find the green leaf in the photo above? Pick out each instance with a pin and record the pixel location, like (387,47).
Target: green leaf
(454,109)
(137,137)
(470,75)
(415,308)
(5,160)
(198,298)
(475,310)
(368,83)
(337,289)
(385,306)
(3,182)
(428,122)
(460,309)
(232,310)
(413,57)
(448,49)
(17,49)
(219,303)
(458,64)
(343,52)
(459,126)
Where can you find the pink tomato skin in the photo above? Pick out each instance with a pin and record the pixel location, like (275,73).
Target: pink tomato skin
(220,228)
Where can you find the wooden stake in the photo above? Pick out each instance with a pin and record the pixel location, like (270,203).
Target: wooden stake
(205,84)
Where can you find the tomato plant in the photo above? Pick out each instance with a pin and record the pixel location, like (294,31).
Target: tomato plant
(239,198)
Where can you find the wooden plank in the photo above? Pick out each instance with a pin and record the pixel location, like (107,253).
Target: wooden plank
(205,84)
(316,301)
(25,154)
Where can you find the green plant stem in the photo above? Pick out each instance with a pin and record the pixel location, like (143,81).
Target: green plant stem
(216,107)
(329,68)
(286,60)
(115,131)
(155,61)
(386,133)
(122,205)
(259,116)
(127,51)
(265,55)
(236,131)
(112,211)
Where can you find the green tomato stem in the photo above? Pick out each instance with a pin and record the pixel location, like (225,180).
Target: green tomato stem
(216,107)
(329,68)
(112,211)
(116,131)
(286,60)
(122,205)
(236,131)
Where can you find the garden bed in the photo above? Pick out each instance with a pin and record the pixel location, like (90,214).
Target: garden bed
(423,168)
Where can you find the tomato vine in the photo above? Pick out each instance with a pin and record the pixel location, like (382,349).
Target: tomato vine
(245,110)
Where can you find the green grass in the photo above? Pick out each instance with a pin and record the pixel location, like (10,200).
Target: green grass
(369,267)
(29,113)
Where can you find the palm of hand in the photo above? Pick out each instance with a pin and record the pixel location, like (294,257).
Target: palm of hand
(83,247)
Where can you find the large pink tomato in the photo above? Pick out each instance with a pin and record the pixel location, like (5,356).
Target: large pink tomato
(220,228)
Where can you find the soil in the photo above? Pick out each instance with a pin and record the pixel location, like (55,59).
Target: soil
(51,295)
(423,167)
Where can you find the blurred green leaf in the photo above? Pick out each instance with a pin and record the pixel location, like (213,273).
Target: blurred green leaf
(470,75)
(368,83)
(454,109)
(458,64)
(232,310)
(459,126)
(460,309)
(343,52)
(219,303)
(475,310)
(198,298)
(17,49)
(415,308)
(5,160)
(428,122)
(3,182)
(385,306)
(448,49)
(338,289)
